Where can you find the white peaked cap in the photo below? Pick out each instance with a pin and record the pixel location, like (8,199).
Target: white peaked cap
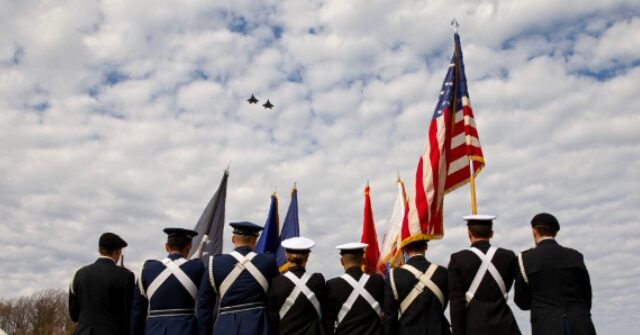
(352,246)
(479,217)
(298,243)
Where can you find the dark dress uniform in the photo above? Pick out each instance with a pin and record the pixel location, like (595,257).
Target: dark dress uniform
(242,307)
(425,315)
(558,291)
(362,318)
(100,298)
(302,317)
(487,312)
(171,308)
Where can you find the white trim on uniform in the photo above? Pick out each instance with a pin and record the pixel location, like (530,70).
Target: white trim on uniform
(300,286)
(482,270)
(424,280)
(244,263)
(358,291)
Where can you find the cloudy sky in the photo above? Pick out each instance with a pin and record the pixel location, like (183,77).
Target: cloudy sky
(122,115)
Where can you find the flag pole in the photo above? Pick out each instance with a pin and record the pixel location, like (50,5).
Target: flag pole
(472,187)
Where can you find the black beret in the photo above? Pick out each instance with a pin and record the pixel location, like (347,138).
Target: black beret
(245,228)
(111,241)
(545,219)
(188,233)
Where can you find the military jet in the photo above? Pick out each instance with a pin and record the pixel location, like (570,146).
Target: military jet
(253,100)
(268,104)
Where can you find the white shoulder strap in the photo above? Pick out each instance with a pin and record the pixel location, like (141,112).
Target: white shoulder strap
(140,285)
(392,281)
(300,286)
(485,267)
(358,291)
(244,263)
(424,280)
(172,268)
(212,279)
(522,270)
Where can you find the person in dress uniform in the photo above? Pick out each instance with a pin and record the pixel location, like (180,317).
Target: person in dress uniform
(416,295)
(354,300)
(100,293)
(166,292)
(240,281)
(295,297)
(553,282)
(479,279)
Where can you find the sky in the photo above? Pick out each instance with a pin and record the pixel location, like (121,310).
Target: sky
(122,115)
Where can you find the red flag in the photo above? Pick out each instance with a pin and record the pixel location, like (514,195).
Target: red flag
(451,154)
(369,236)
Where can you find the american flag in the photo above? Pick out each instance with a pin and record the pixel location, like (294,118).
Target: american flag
(452,151)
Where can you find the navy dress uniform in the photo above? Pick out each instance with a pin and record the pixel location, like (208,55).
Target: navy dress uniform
(240,281)
(295,297)
(166,292)
(100,294)
(416,296)
(553,282)
(354,300)
(479,279)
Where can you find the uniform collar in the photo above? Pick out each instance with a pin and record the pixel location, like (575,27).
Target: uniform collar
(105,259)
(243,250)
(547,241)
(174,255)
(298,270)
(354,270)
(481,243)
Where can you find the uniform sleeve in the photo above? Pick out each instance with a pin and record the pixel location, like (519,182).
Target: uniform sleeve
(139,309)
(272,306)
(129,286)
(329,311)
(522,296)
(457,296)
(390,320)
(587,286)
(206,303)
(74,303)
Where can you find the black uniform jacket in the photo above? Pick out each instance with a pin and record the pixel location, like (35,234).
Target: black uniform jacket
(302,317)
(100,298)
(559,290)
(488,312)
(361,319)
(426,314)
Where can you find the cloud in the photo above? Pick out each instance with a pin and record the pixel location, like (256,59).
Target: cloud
(121,117)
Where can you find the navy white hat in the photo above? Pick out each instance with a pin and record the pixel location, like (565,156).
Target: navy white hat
(298,244)
(245,228)
(111,241)
(479,219)
(352,248)
(180,232)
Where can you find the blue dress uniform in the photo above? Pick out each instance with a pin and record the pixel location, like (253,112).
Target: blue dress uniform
(165,296)
(239,281)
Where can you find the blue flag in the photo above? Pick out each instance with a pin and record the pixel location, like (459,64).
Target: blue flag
(290,228)
(269,240)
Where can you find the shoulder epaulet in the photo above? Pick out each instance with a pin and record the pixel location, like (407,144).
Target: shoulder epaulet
(73,279)
(139,281)
(523,272)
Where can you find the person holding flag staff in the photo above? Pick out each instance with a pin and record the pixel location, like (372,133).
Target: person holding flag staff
(166,292)
(416,295)
(100,293)
(295,297)
(240,280)
(354,300)
(479,279)
(553,282)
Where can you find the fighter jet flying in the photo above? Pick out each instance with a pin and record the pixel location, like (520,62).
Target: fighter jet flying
(268,104)
(253,100)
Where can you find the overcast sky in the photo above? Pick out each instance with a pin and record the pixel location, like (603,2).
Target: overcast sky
(122,115)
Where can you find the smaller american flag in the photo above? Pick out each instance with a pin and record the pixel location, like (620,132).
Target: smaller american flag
(451,153)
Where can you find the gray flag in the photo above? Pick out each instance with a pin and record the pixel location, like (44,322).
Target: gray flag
(210,226)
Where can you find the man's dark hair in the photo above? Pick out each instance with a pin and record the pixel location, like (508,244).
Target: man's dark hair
(178,242)
(416,246)
(106,251)
(244,239)
(481,231)
(544,230)
(353,258)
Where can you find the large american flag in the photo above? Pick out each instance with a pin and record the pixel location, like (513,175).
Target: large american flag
(451,153)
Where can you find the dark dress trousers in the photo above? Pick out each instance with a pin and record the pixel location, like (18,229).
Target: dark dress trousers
(488,312)
(242,310)
(425,315)
(302,318)
(100,298)
(171,309)
(559,290)
(362,318)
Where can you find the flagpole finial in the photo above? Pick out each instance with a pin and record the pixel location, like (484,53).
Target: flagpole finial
(455,25)
(398,177)
(228,167)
